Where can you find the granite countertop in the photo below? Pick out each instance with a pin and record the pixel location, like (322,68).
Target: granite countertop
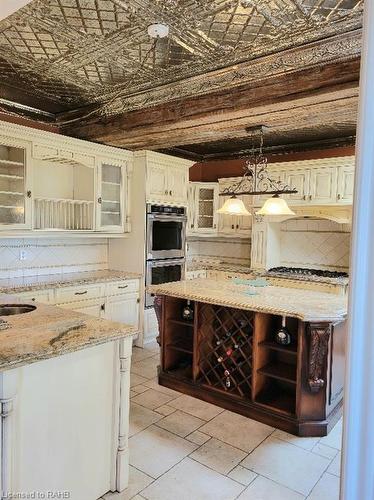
(51,331)
(32,283)
(306,305)
(242,269)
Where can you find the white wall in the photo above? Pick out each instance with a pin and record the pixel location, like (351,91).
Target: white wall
(315,243)
(52,256)
(233,251)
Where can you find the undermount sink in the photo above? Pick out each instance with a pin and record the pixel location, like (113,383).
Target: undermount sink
(11,309)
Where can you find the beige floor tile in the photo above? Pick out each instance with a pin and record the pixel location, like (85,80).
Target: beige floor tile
(153,384)
(136,380)
(196,407)
(152,399)
(165,410)
(155,450)
(138,354)
(302,442)
(190,480)
(335,465)
(152,347)
(140,388)
(241,432)
(219,456)
(141,418)
(137,482)
(325,451)
(242,475)
(287,464)
(327,488)
(334,438)
(198,437)
(180,423)
(265,489)
(146,368)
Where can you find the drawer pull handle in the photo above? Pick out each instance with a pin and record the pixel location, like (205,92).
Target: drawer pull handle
(123,286)
(80,293)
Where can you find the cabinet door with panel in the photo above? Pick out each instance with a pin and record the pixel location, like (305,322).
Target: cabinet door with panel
(323,185)
(346,177)
(258,248)
(90,307)
(15,184)
(177,178)
(157,183)
(300,180)
(112,186)
(123,309)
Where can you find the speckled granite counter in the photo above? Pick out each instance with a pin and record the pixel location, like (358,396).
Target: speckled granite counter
(241,269)
(31,283)
(51,331)
(305,305)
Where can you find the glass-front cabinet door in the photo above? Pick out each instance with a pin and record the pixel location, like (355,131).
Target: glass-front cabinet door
(207,206)
(15,192)
(111,202)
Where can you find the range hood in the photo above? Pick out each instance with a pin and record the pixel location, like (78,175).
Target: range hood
(339,214)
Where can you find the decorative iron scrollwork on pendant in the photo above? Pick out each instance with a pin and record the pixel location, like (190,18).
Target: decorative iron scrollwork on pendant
(318,348)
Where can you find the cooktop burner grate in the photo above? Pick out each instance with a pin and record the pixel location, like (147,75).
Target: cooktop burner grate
(307,272)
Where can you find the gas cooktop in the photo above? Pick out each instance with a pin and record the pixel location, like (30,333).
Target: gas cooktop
(300,271)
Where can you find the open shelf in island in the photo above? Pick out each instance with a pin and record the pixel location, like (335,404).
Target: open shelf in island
(229,357)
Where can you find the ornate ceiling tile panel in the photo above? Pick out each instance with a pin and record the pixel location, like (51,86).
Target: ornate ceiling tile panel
(79,52)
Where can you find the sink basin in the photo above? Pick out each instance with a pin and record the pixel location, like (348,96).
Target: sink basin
(11,309)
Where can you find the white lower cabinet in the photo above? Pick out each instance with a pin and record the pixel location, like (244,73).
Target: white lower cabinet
(123,309)
(115,301)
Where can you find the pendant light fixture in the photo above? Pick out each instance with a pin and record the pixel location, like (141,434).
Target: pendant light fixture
(256,181)
(233,206)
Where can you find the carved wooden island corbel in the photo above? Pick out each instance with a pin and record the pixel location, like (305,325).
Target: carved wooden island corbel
(227,355)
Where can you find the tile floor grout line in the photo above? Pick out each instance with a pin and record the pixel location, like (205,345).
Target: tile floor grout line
(216,471)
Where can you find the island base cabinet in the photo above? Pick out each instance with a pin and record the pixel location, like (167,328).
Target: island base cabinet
(229,357)
(64,423)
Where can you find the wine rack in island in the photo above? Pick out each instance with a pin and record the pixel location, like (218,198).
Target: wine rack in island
(229,357)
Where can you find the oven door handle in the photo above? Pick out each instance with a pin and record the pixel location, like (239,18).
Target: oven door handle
(173,218)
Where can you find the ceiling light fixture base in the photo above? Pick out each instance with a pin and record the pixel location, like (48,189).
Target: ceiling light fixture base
(158,30)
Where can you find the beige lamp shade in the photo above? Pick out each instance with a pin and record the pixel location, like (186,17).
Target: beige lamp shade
(275,206)
(233,206)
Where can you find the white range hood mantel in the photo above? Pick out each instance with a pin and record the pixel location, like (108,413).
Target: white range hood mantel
(338,214)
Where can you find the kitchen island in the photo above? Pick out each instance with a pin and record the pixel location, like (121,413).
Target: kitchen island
(64,402)
(227,353)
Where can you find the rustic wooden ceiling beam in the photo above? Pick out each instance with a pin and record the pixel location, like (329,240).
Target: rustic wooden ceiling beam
(227,114)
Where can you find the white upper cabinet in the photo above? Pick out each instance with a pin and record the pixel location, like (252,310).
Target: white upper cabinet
(346,178)
(112,190)
(202,207)
(157,183)
(300,180)
(15,184)
(166,179)
(323,185)
(49,182)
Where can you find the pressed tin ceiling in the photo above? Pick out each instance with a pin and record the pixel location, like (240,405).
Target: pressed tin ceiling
(68,54)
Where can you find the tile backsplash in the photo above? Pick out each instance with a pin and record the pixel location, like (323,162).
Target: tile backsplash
(315,243)
(233,251)
(51,256)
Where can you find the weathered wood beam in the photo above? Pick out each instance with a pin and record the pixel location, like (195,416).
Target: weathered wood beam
(223,114)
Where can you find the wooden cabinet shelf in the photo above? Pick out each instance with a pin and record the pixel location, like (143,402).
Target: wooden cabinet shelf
(291,349)
(277,399)
(280,371)
(181,322)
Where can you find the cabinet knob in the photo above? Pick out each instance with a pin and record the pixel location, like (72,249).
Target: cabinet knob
(214,226)
(339,196)
(170,192)
(237,226)
(28,194)
(102,307)
(166,191)
(304,197)
(138,300)
(192,226)
(233,227)
(100,200)
(310,196)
